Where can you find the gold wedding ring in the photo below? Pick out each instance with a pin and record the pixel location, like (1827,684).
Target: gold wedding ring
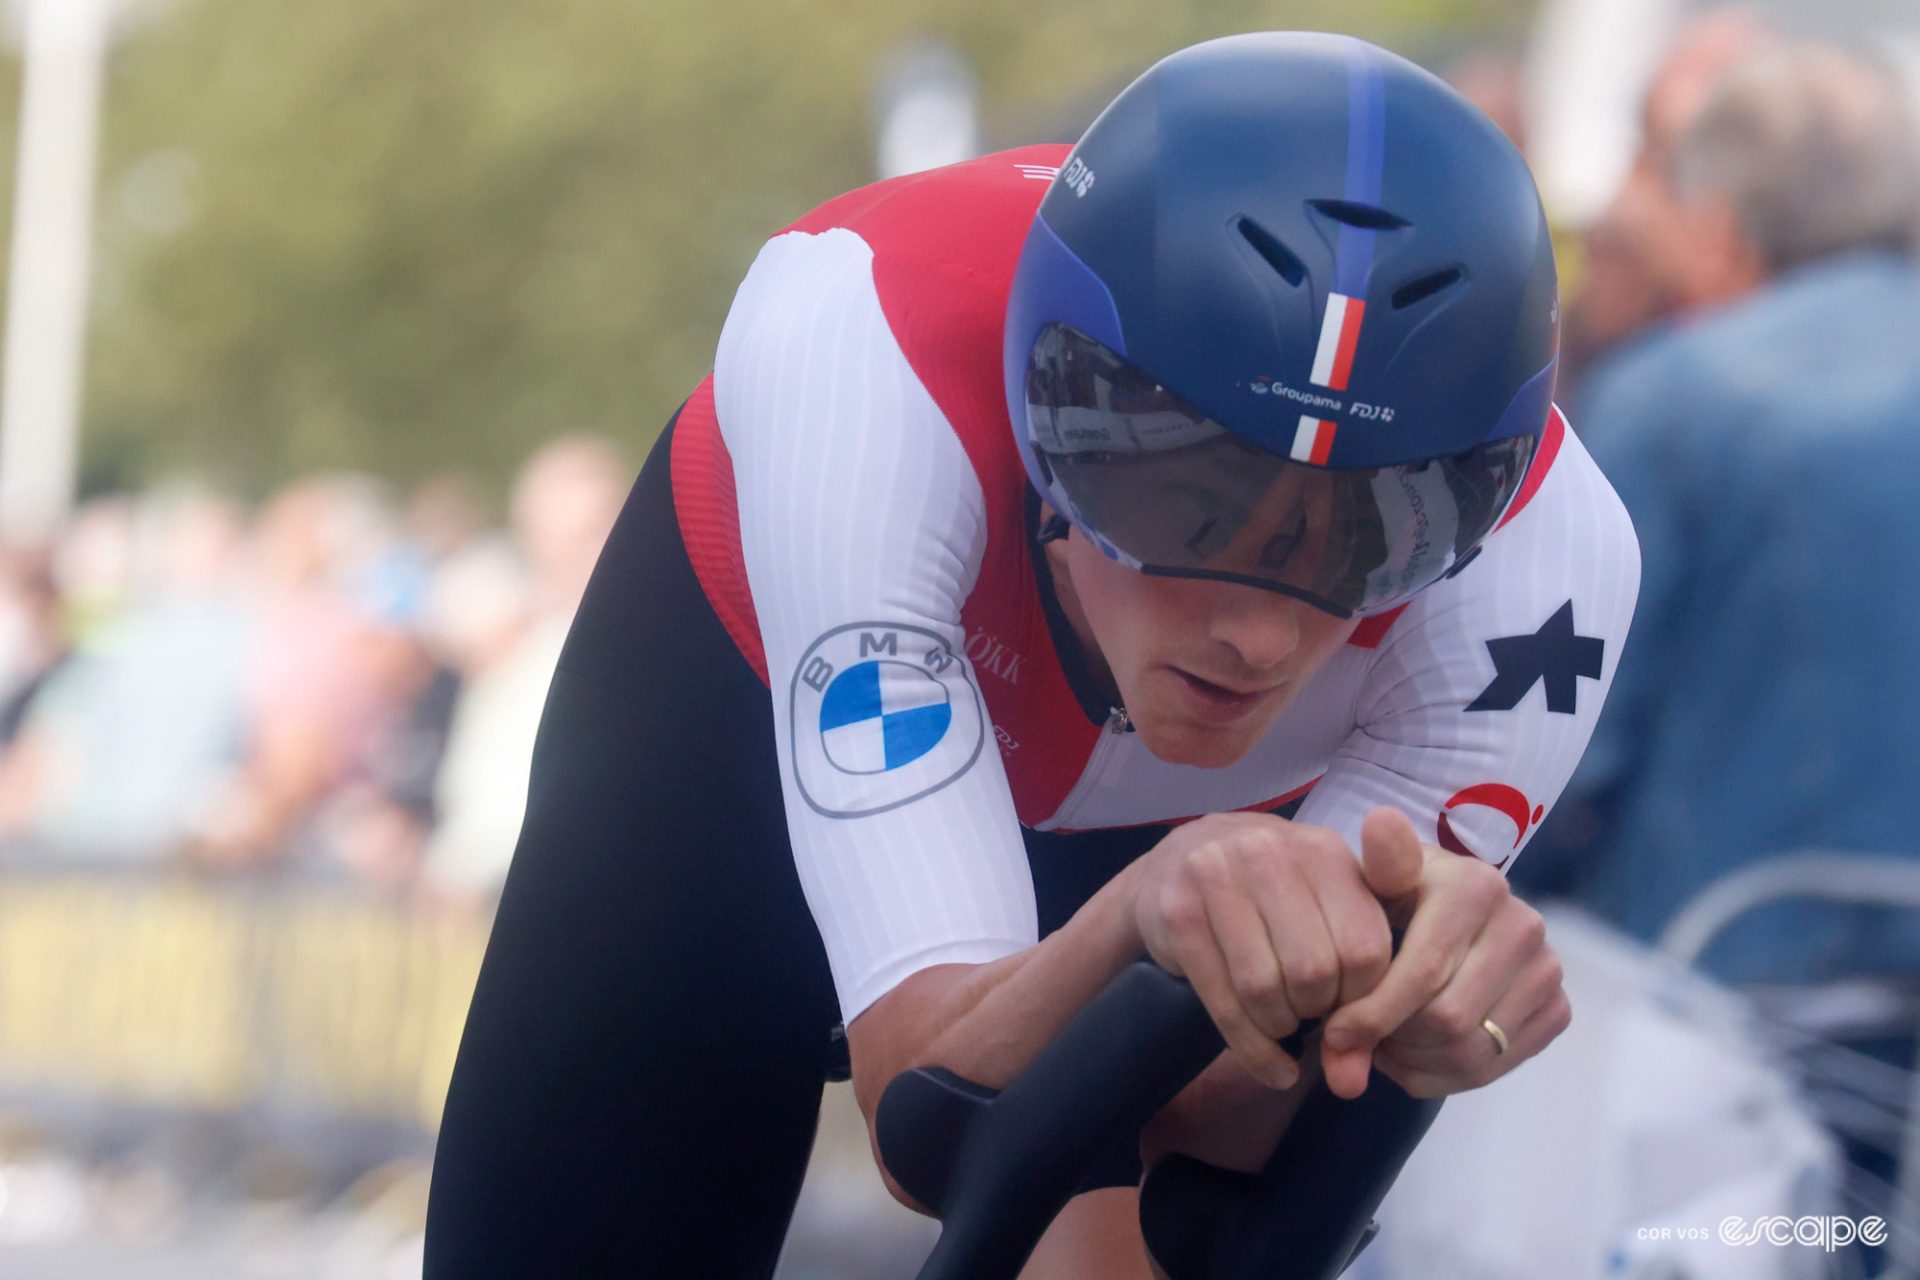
(1499,1036)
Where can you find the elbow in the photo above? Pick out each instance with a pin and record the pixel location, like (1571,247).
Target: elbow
(897,1033)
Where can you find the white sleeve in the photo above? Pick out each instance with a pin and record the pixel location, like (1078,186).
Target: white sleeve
(1480,700)
(862,526)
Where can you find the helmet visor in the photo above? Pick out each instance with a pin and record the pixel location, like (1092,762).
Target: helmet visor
(1179,494)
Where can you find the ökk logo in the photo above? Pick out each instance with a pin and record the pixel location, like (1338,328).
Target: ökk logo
(882,714)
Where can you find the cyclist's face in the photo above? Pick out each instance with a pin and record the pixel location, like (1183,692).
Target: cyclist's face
(1203,667)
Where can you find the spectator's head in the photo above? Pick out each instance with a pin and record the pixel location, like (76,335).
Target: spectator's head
(1703,53)
(188,540)
(564,503)
(318,531)
(478,606)
(1633,249)
(1798,155)
(1494,82)
(445,515)
(93,562)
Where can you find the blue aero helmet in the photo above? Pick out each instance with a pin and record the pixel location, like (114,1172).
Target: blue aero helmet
(1288,317)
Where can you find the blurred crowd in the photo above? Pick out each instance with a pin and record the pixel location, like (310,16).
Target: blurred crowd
(1742,358)
(341,683)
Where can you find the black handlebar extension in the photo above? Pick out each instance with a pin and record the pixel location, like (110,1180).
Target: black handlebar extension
(1308,1213)
(998,1167)
(1025,1150)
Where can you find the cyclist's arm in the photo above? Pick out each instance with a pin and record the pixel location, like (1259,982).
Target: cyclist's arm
(1482,696)
(1475,710)
(862,529)
(986,1021)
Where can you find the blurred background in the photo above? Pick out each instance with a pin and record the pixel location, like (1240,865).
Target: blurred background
(335,333)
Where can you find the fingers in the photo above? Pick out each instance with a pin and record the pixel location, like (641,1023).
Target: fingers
(1458,898)
(1329,929)
(1272,923)
(1326,931)
(1258,1052)
(1435,1073)
(1391,857)
(1275,922)
(1447,1047)
(1295,935)
(1512,946)
(1253,962)
(1195,909)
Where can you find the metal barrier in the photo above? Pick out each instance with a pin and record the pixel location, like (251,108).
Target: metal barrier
(1841,1083)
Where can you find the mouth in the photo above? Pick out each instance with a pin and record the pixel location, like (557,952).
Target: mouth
(1216,703)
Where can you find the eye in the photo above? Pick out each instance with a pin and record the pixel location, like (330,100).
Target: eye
(1280,547)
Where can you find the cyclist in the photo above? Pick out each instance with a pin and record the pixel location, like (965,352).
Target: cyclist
(1164,546)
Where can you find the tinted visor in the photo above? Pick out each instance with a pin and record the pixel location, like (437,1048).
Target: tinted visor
(1184,496)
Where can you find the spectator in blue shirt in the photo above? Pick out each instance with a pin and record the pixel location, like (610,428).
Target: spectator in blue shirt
(1766,441)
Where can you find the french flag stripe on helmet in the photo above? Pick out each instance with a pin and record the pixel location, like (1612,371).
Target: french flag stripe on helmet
(1339,335)
(1312,441)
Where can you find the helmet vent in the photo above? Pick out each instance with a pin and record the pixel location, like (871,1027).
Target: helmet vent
(1425,287)
(1277,255)
(1365,216)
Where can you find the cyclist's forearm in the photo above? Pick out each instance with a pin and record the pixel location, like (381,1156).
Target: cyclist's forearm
(986,1022)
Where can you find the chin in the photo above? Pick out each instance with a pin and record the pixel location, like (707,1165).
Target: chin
(1195,745)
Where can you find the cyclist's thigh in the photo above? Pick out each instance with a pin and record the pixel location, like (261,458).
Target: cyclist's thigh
(638,1084)
(1097,1234)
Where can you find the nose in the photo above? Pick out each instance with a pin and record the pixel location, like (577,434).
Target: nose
(1263,628)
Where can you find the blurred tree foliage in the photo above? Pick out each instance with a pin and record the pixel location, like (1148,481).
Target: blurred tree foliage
(407,234)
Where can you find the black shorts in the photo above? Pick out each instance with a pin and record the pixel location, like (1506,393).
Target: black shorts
(638,1085)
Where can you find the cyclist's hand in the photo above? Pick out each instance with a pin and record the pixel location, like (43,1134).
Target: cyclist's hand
(1471,951)
(1272,921)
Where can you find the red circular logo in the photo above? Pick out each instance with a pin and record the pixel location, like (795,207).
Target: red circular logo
(1502,799)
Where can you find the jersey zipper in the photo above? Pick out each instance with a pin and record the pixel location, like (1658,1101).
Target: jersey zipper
(1116,728)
